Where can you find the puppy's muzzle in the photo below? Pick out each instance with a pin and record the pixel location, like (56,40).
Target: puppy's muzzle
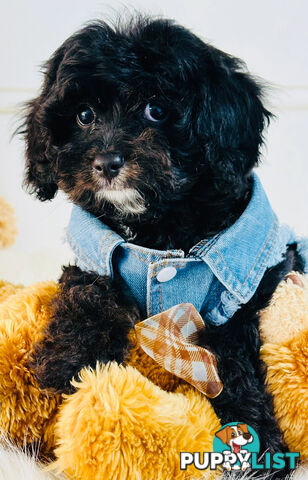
(108,164)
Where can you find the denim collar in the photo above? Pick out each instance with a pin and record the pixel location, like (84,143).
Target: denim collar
(238,256)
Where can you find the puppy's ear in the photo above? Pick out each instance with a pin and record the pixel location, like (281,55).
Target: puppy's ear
(40,173)
(223,434)
(230,120)
(243,426)
(40,169)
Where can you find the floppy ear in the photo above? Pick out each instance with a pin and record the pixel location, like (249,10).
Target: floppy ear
(231,120)
(223,434)
(243,426)
(40,174)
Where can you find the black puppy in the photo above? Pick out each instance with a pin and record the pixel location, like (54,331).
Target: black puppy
(156,133)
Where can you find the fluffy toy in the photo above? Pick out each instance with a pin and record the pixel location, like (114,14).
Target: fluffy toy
(284,330)
(117,423)
(27,414)
(8,229)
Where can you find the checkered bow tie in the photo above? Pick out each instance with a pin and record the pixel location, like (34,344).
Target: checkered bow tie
(169,338)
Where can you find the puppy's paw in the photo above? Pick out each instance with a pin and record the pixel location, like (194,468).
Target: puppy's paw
(245,466)
(227,466)
(90,323)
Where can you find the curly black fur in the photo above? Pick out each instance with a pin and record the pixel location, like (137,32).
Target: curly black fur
(191,172)
(91,319)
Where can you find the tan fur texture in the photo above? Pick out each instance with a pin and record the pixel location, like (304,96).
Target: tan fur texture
(27,414)
(118,425)
(8,229)
(287,314)
(284,330)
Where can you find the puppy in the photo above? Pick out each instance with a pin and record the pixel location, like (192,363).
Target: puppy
(153,134)
(235,437)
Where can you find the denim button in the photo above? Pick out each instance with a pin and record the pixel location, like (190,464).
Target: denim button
(166,274)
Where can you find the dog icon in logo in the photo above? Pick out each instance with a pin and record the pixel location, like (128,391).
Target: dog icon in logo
(235,436)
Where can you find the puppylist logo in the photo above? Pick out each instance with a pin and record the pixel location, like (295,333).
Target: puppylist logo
(236,446)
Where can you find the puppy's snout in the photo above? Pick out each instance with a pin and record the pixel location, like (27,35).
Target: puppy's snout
(108,164)
(247,436)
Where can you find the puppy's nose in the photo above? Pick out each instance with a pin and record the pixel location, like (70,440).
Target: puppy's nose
(247,436)
(108,164)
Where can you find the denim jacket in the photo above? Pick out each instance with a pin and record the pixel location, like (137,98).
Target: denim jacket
(217,275)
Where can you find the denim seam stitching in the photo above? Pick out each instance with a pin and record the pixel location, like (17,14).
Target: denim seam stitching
(103,246)
(232,275)
(269,237)
(151,288)
(205,244)
(109,253)
(82,254)
(260,269)
(160,298)
(139,257)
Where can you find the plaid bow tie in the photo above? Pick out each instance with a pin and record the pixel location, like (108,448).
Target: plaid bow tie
(169,338)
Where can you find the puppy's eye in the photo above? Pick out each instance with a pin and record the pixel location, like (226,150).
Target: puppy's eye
(233,434)
(86,115)
(155,113)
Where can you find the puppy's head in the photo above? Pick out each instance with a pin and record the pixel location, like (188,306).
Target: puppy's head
(235,436)
(132,119)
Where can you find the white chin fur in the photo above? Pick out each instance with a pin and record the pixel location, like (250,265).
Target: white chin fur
(127,201)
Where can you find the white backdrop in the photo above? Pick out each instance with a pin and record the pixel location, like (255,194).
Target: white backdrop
(270,35)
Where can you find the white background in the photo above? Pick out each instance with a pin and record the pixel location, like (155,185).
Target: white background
(270,35)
